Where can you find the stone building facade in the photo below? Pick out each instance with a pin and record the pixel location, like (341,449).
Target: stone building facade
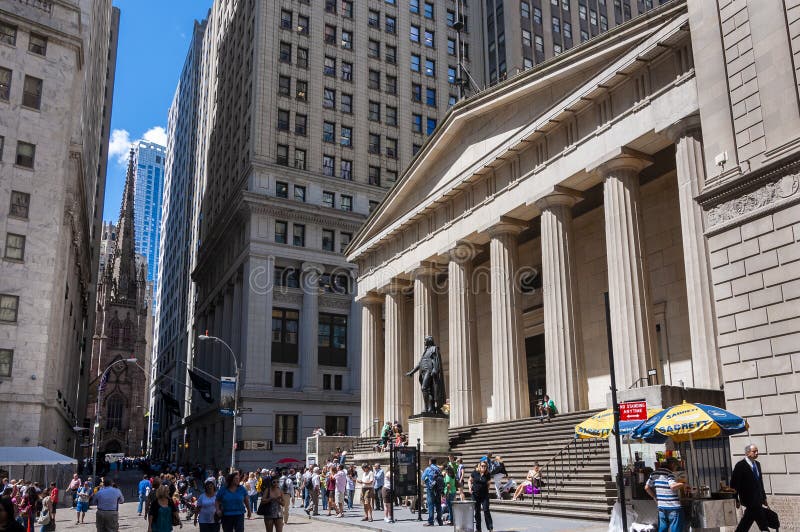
(656,165)
(57,63)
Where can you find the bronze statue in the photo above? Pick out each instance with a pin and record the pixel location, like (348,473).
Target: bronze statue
(431,377)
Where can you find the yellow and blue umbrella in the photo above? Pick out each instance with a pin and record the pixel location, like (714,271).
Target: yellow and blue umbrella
(689,421)
(601,424)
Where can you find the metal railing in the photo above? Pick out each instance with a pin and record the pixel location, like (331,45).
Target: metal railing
(562,466)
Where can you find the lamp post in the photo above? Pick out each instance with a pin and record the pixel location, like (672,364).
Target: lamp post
(205,337)
(100,409)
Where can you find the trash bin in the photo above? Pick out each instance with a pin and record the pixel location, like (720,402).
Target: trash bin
(463,516)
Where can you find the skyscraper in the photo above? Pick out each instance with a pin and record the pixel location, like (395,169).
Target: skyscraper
(149,159)
(57,64)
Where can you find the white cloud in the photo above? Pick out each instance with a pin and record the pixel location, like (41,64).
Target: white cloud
(119,145)
(156,134)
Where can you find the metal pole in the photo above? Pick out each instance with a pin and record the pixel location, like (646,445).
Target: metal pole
(419,484)
(392,461)
(615,407)
(235,413)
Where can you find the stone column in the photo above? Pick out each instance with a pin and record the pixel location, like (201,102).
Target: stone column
(354,341)
(371,363)
(702,329)
(426,320)
(397,391)
(257,284)
(462,336)
(510,398)
(564,364)
(309,325)
(628,281)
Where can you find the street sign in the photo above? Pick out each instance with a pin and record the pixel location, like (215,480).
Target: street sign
(257,445)
(245,409)
(633,411)
(404,478)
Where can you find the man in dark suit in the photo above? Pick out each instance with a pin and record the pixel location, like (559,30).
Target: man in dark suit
(749,485)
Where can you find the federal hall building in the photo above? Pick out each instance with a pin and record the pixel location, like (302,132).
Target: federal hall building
(657,167)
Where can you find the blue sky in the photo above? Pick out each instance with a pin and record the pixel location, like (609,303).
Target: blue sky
(153,41)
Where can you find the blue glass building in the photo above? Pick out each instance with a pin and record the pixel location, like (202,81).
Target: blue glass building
(149,159)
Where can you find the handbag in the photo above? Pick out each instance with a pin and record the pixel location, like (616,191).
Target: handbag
(44,518)
(773,521)
(262,507)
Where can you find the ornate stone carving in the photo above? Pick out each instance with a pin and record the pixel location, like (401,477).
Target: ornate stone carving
(334,302)
(286,296)
(770,193)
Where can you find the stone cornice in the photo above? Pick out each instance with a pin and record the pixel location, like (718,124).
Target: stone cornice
(295,211)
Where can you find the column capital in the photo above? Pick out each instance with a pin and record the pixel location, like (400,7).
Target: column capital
(507,225)
(559,197)
(371,298)
(686,126)
(462,252)
(427,268)
(622,158)
(395,286)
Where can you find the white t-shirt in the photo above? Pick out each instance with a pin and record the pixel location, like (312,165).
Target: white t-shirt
(368,480)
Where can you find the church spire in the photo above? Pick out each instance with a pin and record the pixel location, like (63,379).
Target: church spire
(125,254)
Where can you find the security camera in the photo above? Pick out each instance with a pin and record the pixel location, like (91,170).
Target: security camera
(721,159)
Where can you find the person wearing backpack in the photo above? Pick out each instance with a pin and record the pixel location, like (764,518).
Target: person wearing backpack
(434,488)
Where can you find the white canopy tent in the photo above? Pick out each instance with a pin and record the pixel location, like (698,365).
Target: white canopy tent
(38,464)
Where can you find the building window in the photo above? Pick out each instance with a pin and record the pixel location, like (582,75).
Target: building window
(285,429)
(301,90)
(413,6)
(347,136)
(539,43)
(328,199)
(537,15)
(281,189)
(300,124)
(347,71)
(556,25)
(372,206)
(327,239)
(280,232)
(416,62)
(329,66)
(328,98)
(344,241)
(330,34)
(375,176)
(9,305)
(328,163)
(430,39)
(391,115)
(593,17)
(374,79)
(328,132)
(114,413)
(5,84)
(330,6)
(37,44)
(414,33)
(431,126)
(374,111)
(285,52)
(300,193)
(6,362)
(584,35)
(299,159)
(26,154)
(346,202)
(284,85)
(567,30)
(525,9)
(416,123)
(336,425)
(20,203)
(374,49)
(582,12)
(8,33)
(283,120)
(391,84)
(282,157)
(302,25)
(430,67)
(374,143)
(286,19)
(526,38)
(416,92)
(15,246)
(347,103)
(332,343)
(557,49)
(391,148)
(390,25)
(391,54)
(347,40)
(299,235)
(451,46)
(347,169)
(374,19)
(603,23)
(283,379)
(430,97)
(451,74)
(415,148)
(302,57)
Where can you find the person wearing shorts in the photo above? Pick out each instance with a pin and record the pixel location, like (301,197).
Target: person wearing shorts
(340,480)
(367,482)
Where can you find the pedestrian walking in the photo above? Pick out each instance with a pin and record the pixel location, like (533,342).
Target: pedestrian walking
(286,485)
(312,487)
(479,487)
(746,479)
(379,478)
(83,495)
(206,508)
(340,488)
(108,499)
(72,488)
(434,488)
(163,512)
(351,486)
(142,490)
(270,507)
(663,488)
(367,482)
(47,518)
(252,492)
(232,504)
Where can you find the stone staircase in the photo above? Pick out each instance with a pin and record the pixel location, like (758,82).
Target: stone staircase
(576,473)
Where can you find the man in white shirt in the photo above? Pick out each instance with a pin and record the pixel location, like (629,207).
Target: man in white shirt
(313,508)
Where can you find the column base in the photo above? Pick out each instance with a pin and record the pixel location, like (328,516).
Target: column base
(431,430)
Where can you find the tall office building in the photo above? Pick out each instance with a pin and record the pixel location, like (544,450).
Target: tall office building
(57,64)
(174,276)
(149,159)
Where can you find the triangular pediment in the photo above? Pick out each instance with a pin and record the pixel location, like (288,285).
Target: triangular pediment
(482,131)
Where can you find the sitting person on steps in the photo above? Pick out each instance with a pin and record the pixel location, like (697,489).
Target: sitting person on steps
(547,408)
(533,479)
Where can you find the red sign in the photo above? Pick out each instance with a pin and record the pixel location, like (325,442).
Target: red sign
(633,411)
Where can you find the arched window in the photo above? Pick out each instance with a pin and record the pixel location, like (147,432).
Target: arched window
(114,408)
(114,332)
(127,333)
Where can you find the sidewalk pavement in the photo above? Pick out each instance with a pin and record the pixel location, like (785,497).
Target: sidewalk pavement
(406,521)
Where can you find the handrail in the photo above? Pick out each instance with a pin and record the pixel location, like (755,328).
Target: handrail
(553,479)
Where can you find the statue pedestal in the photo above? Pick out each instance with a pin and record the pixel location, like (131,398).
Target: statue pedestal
(431,430)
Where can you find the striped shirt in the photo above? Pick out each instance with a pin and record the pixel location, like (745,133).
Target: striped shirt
(662,480)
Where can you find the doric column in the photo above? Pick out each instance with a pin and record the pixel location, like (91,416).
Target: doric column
(564,366)
(510,399)
(628,281)
(465,390)
(426,319)
(257,287)
(354,340)
(702,330)
(309,325)
(397,387)
(371,363)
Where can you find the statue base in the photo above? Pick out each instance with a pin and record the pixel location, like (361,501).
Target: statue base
(431,430)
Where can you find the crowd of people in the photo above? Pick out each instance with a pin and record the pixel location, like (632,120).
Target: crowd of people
(391,434)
